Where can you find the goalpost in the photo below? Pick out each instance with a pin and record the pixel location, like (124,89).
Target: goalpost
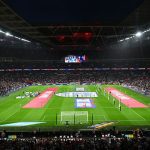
(74,117)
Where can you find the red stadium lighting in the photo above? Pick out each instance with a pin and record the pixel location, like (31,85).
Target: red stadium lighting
(87,36)
(82,35)
(87,33)
(60,38)
(76,35)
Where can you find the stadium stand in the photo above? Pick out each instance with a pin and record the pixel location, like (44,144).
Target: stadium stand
(13,80)
(107,139)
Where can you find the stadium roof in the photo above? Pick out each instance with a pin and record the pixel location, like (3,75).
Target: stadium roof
(75,23)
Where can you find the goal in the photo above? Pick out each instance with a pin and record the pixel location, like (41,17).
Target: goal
(74,117)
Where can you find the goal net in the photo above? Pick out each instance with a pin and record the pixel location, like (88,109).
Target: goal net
(74,117)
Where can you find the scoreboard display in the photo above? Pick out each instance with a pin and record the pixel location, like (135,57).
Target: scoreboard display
(75,59)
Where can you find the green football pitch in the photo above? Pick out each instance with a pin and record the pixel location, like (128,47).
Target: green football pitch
(61,111)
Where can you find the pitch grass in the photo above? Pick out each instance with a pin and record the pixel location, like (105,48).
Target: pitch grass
(11,110)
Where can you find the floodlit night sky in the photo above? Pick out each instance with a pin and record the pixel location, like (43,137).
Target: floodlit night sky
(69,12)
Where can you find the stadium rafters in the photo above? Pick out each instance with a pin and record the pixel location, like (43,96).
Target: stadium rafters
(64,35)
(10,20)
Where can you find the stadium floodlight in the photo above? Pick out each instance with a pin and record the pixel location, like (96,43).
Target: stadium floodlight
(138,34)
(127,38)
(17,37)
(146,30)
(25,40)
(8,34)
(1,31)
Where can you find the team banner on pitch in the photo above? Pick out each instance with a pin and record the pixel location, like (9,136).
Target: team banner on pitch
(84,103)
(41,100)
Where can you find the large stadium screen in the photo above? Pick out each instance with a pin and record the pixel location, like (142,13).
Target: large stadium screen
(75,59)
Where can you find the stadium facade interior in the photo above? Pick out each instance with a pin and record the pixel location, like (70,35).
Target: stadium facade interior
(74,75)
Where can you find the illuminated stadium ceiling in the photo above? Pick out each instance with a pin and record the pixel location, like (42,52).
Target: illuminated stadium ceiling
(75,24)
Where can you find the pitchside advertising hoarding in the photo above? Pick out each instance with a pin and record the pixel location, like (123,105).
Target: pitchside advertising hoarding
(75,59)
(84,69)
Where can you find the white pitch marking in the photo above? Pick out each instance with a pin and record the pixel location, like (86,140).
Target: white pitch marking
(138,114)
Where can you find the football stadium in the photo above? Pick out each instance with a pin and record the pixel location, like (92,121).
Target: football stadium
(74,75)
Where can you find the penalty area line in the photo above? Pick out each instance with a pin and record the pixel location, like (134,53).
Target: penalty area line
(133,120)
(138,115)
(10,116)
(105,117)
(43,118)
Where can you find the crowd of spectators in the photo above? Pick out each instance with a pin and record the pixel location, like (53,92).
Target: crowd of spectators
(10,82)
(105,140)
(13,80)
